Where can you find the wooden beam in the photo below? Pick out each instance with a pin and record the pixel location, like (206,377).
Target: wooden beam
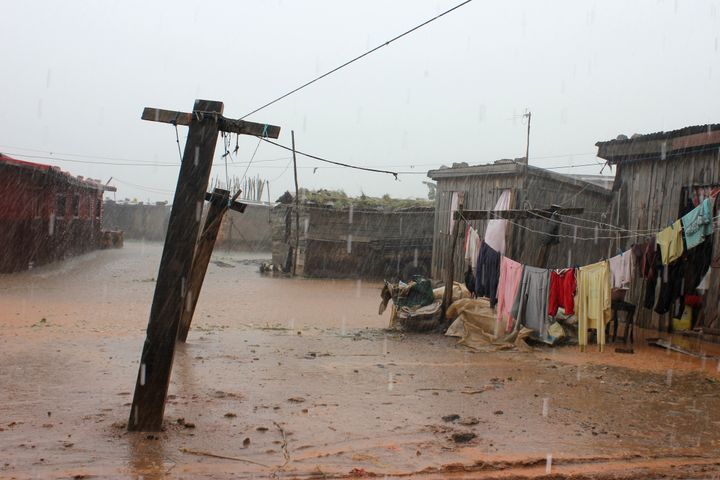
(249,128)
(224,124)
(234,205)
(166,116)
(201,259)
(516,214)
(156,360)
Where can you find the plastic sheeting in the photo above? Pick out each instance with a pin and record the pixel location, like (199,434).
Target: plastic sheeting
(476,325)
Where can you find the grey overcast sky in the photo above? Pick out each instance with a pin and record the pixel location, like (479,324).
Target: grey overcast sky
(77,74)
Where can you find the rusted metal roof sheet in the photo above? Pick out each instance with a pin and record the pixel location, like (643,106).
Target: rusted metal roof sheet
(54,170)
(660,145)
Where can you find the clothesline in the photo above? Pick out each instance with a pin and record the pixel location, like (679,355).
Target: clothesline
(612,227)
(635,233)
(715,219)
(500,278)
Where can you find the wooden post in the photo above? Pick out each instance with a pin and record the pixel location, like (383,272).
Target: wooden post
(450,265)
(158,351)
(219,202)
(552,239)
(297,206)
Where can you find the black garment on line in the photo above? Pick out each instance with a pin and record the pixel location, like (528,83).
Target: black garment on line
(683,276)
(487,273)
(652,269)
(672,291)
(698,262)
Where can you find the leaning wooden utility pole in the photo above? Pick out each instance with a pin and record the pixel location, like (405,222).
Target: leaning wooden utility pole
(450,262)
(297,206)
(220,202)
(153,379)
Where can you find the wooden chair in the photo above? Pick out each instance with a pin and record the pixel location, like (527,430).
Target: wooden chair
(629,309)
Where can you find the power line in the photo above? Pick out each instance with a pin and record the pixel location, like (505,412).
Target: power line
(124,161)
(306,84)
(87,162)
(283,172)
(144,187)
(320,159)
(136,163)
(251,160)
(80,155)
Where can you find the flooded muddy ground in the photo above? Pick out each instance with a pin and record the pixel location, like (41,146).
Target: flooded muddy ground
(297,378)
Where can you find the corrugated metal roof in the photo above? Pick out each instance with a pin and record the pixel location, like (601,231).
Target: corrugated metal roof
(515,168)
(23,163)
(661,145)
(680,132)
(54,170)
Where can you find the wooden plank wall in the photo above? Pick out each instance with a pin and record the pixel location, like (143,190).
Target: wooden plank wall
(529,190)
(481,193)
(577,246)
(651,195)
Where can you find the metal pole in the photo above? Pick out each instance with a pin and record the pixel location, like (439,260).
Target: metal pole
(527,145)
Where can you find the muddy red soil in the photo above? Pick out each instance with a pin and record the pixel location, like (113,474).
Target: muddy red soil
(297,378)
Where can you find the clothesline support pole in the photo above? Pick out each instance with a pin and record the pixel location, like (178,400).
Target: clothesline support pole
(450,263)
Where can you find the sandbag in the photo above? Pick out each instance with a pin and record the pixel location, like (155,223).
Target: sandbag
(456,329)
(473,306)
(459,291)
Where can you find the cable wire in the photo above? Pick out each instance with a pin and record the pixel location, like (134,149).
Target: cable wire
(177,139)
(320,159)
(130,162)
(120,161)
(251,159)
(283,172)
(306,84)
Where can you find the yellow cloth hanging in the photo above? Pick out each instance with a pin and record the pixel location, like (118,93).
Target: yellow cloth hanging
(592,301)
(670,241)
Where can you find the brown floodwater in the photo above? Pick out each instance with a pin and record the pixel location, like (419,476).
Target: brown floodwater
(298,378)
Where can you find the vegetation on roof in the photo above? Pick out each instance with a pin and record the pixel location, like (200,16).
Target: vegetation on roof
(340,199)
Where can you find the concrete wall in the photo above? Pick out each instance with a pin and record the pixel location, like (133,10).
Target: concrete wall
(137,221)
(248,231)
(363,244)
(239,231)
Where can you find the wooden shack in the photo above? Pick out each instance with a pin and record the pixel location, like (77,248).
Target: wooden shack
(658,176)
(530,188)
(46,214)
(353,240)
